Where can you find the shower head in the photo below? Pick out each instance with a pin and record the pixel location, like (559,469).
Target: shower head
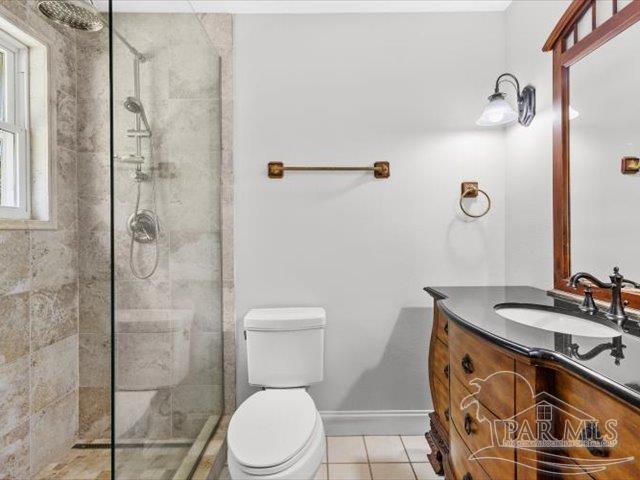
(134,105)
(77,14)
(81,15)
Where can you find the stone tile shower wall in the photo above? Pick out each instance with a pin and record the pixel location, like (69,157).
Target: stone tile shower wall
(94,243)
(219,27)
(181,93)
(39,290)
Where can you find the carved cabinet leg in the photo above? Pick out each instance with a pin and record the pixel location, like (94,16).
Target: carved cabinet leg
(436,438)
(435,457)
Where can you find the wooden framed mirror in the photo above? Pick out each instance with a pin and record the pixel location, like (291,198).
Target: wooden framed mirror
(595,57)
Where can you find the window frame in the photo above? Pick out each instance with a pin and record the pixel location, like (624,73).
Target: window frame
(16,125)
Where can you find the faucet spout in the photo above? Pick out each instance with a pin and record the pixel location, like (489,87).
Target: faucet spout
(574,281)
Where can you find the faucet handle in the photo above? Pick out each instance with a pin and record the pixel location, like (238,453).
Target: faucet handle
(630,283)
(588,303)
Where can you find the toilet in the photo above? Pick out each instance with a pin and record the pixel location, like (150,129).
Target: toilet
(277,433)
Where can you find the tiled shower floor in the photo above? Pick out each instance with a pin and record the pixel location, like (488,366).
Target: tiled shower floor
(149,463)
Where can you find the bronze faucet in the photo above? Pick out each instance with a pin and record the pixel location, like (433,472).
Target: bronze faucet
(618,282)
(615,346)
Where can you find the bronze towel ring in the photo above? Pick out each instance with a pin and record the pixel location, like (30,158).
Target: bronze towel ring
(471,190)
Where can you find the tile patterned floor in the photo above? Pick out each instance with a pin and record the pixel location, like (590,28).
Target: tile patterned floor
(149,463)
(374,458)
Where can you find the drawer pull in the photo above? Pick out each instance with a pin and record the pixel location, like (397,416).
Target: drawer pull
(468,423)
(446,328)
(446,413)
(592,439)
(467,364)
(446,370)
(467,476)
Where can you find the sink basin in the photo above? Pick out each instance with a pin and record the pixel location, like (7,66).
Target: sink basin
(556,322)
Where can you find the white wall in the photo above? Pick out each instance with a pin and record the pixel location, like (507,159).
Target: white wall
(529,227)
(350,90)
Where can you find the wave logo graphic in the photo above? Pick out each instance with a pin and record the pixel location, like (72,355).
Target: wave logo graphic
(544,432)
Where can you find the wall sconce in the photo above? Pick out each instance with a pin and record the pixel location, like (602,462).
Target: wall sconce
(499,112)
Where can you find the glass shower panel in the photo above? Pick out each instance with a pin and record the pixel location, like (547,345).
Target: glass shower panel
(167,396)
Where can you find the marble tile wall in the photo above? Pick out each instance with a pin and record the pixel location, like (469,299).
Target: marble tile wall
(180,87)
(94,243)
(181,92)
(39,290)
(219,28)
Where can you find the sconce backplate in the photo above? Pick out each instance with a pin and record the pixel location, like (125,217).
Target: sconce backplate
(527,105)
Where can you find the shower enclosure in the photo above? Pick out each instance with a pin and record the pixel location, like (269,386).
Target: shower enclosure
(149,225)
(166,275)
(111,284)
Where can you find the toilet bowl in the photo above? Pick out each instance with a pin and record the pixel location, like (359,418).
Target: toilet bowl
(277,433)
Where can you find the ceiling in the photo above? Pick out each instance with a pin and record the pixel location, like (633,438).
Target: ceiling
(306,6)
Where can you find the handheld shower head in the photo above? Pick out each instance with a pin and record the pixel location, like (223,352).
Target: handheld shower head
(134,105)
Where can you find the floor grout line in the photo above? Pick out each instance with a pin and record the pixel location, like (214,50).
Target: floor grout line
(406,452)
(366,450)
(326,446)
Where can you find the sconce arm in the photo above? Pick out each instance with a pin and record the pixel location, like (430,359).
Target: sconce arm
(502,77)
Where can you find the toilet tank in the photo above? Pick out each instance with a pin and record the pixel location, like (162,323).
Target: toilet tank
(285,346)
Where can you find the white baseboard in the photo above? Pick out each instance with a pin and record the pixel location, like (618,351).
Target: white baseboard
(375,422)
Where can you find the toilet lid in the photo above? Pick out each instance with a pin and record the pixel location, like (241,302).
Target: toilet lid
(271,426)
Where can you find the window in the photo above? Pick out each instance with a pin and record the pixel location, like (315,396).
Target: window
(14,122)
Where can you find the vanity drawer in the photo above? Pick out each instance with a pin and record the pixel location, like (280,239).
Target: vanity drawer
(586,398)
(474,425)
(471,357)
(441,324)
(459,461)
(440,395)
(440,361)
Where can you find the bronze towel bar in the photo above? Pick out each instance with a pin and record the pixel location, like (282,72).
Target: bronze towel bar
(379,169)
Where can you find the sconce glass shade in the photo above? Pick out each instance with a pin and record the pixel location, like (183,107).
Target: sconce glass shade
(497,112)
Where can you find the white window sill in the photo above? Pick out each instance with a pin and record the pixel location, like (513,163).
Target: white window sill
(11,224)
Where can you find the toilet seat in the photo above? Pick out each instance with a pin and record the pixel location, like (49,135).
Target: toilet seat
(274,432)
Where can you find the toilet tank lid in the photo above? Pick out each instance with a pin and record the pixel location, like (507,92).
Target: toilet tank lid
(291,318)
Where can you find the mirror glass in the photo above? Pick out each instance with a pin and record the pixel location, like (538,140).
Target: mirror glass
(604,128)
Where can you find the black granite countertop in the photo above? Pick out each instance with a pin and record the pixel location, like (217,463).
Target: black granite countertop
(473,307)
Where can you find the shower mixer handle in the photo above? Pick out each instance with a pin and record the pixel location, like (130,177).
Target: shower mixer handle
(143,226)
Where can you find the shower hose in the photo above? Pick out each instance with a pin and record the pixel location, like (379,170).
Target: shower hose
(136,273)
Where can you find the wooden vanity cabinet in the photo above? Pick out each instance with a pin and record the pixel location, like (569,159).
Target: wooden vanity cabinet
(439,385)
(603,407)
(475,384)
